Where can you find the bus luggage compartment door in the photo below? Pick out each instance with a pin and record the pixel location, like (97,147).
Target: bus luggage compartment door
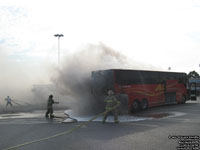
(193,92)
(123,108)
(170,98)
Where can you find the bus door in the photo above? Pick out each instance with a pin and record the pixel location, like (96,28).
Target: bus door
(170,97)
(167,100)
(193,92)
(161,97)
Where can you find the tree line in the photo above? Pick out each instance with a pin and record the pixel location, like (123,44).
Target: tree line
(193,74)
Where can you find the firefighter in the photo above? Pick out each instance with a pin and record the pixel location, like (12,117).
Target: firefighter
(50,103)
(8,100)
(111,101)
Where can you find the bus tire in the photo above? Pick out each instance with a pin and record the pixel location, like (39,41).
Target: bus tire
(144,104)
(135,106)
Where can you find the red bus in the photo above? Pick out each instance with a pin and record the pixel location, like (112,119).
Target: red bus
(140,89)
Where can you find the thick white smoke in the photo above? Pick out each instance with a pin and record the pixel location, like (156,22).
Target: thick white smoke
(71,83)
(73,79)
(17,78)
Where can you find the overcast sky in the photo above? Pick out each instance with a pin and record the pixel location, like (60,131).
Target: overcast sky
(162,33)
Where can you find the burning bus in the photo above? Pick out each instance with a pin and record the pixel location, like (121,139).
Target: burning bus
(141,89)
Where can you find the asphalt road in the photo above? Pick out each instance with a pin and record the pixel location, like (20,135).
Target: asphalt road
(147,134)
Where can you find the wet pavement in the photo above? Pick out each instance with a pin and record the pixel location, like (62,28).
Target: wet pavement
(149,129)
(38,117)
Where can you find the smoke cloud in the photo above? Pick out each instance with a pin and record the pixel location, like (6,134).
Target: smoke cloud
(17,78)
(71,86)
(73,79)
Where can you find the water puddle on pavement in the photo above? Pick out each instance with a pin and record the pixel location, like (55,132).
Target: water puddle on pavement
(111,118)
(121,118)
(61,113)
(129,118)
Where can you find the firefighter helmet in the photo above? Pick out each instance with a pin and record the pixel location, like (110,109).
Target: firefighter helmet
(110,92)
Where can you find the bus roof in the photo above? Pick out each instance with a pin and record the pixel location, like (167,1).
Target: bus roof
(142,71)
(127,76)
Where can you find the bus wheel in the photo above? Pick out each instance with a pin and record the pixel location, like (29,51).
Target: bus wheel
(144,104)
(135,106)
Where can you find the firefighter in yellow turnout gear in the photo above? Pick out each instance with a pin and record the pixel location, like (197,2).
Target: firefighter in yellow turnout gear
(111,101)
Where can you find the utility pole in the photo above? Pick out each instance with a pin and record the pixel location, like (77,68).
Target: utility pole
(58,35)
(199,67)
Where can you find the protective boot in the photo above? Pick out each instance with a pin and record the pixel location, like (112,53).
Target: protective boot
(51,116)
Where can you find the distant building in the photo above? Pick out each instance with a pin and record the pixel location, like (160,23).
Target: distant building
(197,83)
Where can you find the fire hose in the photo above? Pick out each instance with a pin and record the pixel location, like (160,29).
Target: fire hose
(17,103)
(62,133)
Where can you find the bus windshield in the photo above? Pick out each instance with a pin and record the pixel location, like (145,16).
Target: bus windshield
(102,81)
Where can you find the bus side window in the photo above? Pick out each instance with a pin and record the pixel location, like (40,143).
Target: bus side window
(158,81)
(180,80)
